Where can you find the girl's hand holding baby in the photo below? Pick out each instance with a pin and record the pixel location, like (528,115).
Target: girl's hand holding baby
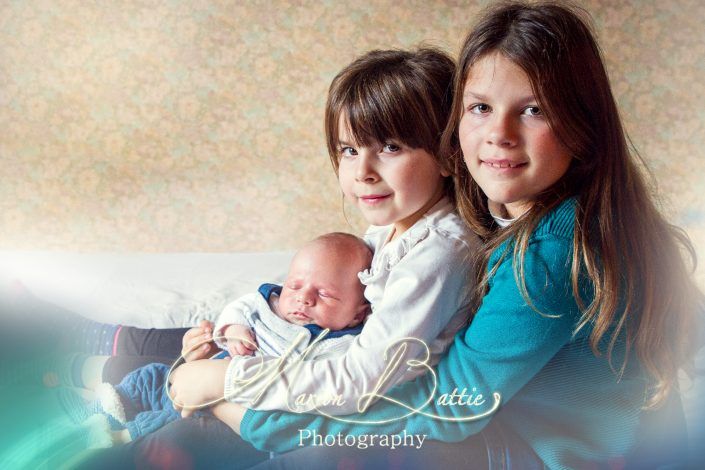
(240,340)
(194,336)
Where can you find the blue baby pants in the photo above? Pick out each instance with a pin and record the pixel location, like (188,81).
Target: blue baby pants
(144,397)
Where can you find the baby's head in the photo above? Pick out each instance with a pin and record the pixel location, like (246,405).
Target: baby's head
(322,286)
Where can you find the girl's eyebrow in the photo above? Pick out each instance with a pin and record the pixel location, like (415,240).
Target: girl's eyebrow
(344,143)
(472,94)
(481,97)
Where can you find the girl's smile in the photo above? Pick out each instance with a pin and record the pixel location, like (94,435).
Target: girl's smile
(507,144)
(374,199)
(502,164)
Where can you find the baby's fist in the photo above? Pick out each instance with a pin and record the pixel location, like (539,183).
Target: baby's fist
(240,340)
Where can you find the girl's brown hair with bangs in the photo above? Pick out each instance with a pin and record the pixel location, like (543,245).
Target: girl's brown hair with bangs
(397,95)
(643,296)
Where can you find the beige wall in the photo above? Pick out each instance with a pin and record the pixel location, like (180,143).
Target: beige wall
(196,126)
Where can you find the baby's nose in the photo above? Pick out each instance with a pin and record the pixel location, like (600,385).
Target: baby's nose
(305,299)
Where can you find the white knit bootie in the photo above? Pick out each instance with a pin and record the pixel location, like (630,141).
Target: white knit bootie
(111,402)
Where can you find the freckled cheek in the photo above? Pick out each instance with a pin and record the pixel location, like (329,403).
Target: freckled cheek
(555,158)
(470,146)
(469,126)
(403,179)
(548,144)
(345,181)
(470,137)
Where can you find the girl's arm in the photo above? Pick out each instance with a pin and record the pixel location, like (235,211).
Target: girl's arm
(425,289)
(229,413)
(506,344)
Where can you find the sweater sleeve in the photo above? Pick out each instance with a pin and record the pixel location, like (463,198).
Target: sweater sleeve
(236,312)
(424,290)
(507,343)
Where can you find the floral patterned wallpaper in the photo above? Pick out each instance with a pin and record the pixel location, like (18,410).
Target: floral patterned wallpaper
(173,125)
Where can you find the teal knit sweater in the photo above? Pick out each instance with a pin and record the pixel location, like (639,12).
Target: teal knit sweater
(565,402)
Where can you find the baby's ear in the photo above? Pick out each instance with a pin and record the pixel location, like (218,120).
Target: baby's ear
(362,311)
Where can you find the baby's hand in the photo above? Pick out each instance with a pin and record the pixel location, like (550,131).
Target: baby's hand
(198,334)
(240,340)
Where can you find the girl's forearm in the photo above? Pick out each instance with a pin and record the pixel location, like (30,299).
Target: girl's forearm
(229,413)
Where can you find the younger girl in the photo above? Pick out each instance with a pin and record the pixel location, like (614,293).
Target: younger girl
(384,118)
(587,307)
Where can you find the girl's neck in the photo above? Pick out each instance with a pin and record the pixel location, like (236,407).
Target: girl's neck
(502,221)
(501,211)
(402,226)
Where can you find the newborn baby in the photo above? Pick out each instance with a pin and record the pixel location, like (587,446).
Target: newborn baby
(321,292)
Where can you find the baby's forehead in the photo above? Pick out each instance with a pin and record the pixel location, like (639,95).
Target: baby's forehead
(321,249)
(340,243)
(322,259)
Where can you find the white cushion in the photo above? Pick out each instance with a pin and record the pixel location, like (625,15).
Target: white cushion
(146,290)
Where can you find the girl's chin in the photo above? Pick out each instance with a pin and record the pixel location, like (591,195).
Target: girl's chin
(508,206)
(376,218)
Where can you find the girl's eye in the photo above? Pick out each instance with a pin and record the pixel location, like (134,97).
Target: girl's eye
(348,152)
(480,108)
(391,148)
(532,111)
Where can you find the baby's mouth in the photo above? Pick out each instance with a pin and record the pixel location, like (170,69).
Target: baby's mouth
(300,315)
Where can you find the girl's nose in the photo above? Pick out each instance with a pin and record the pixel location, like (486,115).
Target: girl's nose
(365,171)
(502,131)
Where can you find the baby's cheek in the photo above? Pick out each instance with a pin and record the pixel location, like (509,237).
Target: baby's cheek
(284,301)
(323,319)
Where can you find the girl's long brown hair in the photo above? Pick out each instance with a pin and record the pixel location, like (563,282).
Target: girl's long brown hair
(643,298)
